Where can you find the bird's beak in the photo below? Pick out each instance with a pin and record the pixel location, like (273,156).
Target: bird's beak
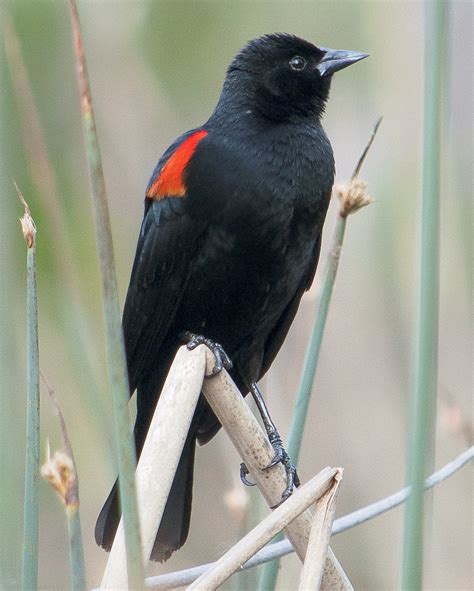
(337,59)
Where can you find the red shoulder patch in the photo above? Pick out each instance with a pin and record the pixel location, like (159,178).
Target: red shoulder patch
(170,181)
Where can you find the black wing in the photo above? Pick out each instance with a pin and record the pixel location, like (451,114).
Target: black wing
(278,334)
(168,238)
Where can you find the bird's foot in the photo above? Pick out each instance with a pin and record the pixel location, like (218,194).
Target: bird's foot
(220,356)
(281,456)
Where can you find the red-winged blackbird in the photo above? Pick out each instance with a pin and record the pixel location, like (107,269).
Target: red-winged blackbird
(229,242)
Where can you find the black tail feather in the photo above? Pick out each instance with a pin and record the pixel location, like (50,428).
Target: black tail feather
(174,526)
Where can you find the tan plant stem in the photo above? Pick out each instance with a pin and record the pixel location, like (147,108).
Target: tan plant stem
(273,551)
(301,499)
(160,456)
(255,450)
(318,543)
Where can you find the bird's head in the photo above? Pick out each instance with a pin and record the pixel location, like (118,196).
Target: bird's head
(283,76)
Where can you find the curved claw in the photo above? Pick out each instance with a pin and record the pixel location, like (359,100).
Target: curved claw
(222,360)
(281,456)
(292,482)
(243,475)
(277,458)
(218,365)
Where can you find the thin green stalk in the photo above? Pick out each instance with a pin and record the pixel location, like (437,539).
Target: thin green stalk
(314,348)
(421,446)
(349,204)
(351,201)
(31,502)
(115,348)
(269,574)
(76,551)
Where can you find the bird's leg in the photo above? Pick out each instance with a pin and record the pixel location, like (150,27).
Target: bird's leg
(222,359)
(274,437)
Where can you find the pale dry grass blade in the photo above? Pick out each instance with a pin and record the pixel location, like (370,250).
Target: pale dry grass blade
(277,550)
(318,543)
(160,456)
(282,516)
(255,450)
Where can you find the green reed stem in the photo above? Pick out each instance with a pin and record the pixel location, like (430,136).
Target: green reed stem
(421,444)
(76,550)
(117,368)
(32,475)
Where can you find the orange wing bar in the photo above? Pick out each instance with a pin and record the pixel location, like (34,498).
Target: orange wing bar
(170,182)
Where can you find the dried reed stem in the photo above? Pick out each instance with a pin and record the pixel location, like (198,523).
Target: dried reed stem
(318,543)
(255,450)
(274,551)
(301,499)
(160,456)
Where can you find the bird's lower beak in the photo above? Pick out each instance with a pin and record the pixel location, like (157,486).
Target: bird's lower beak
(337,59)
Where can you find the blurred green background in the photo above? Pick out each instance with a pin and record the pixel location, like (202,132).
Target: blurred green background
(156,70)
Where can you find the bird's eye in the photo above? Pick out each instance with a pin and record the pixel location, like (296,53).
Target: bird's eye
(297,63)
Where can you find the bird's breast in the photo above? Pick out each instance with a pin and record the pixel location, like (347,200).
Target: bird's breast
(265,202)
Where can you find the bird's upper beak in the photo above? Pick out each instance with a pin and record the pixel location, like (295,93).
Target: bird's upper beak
(337,59)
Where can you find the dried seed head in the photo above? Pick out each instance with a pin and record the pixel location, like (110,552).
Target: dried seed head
(60,472)
(27,224)
(352,197)
(28,228)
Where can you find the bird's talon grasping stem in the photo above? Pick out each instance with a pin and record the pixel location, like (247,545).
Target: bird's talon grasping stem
(281,455)
(222,360)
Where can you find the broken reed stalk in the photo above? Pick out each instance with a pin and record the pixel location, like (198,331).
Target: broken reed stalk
(160,456)
(255,450)
(352,199)
(273,551)
(282,516)
(423,418)
(31,500)
(318,542)
(117,368)
(60,471)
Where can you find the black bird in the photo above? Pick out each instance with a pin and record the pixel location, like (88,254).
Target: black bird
(229,243)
